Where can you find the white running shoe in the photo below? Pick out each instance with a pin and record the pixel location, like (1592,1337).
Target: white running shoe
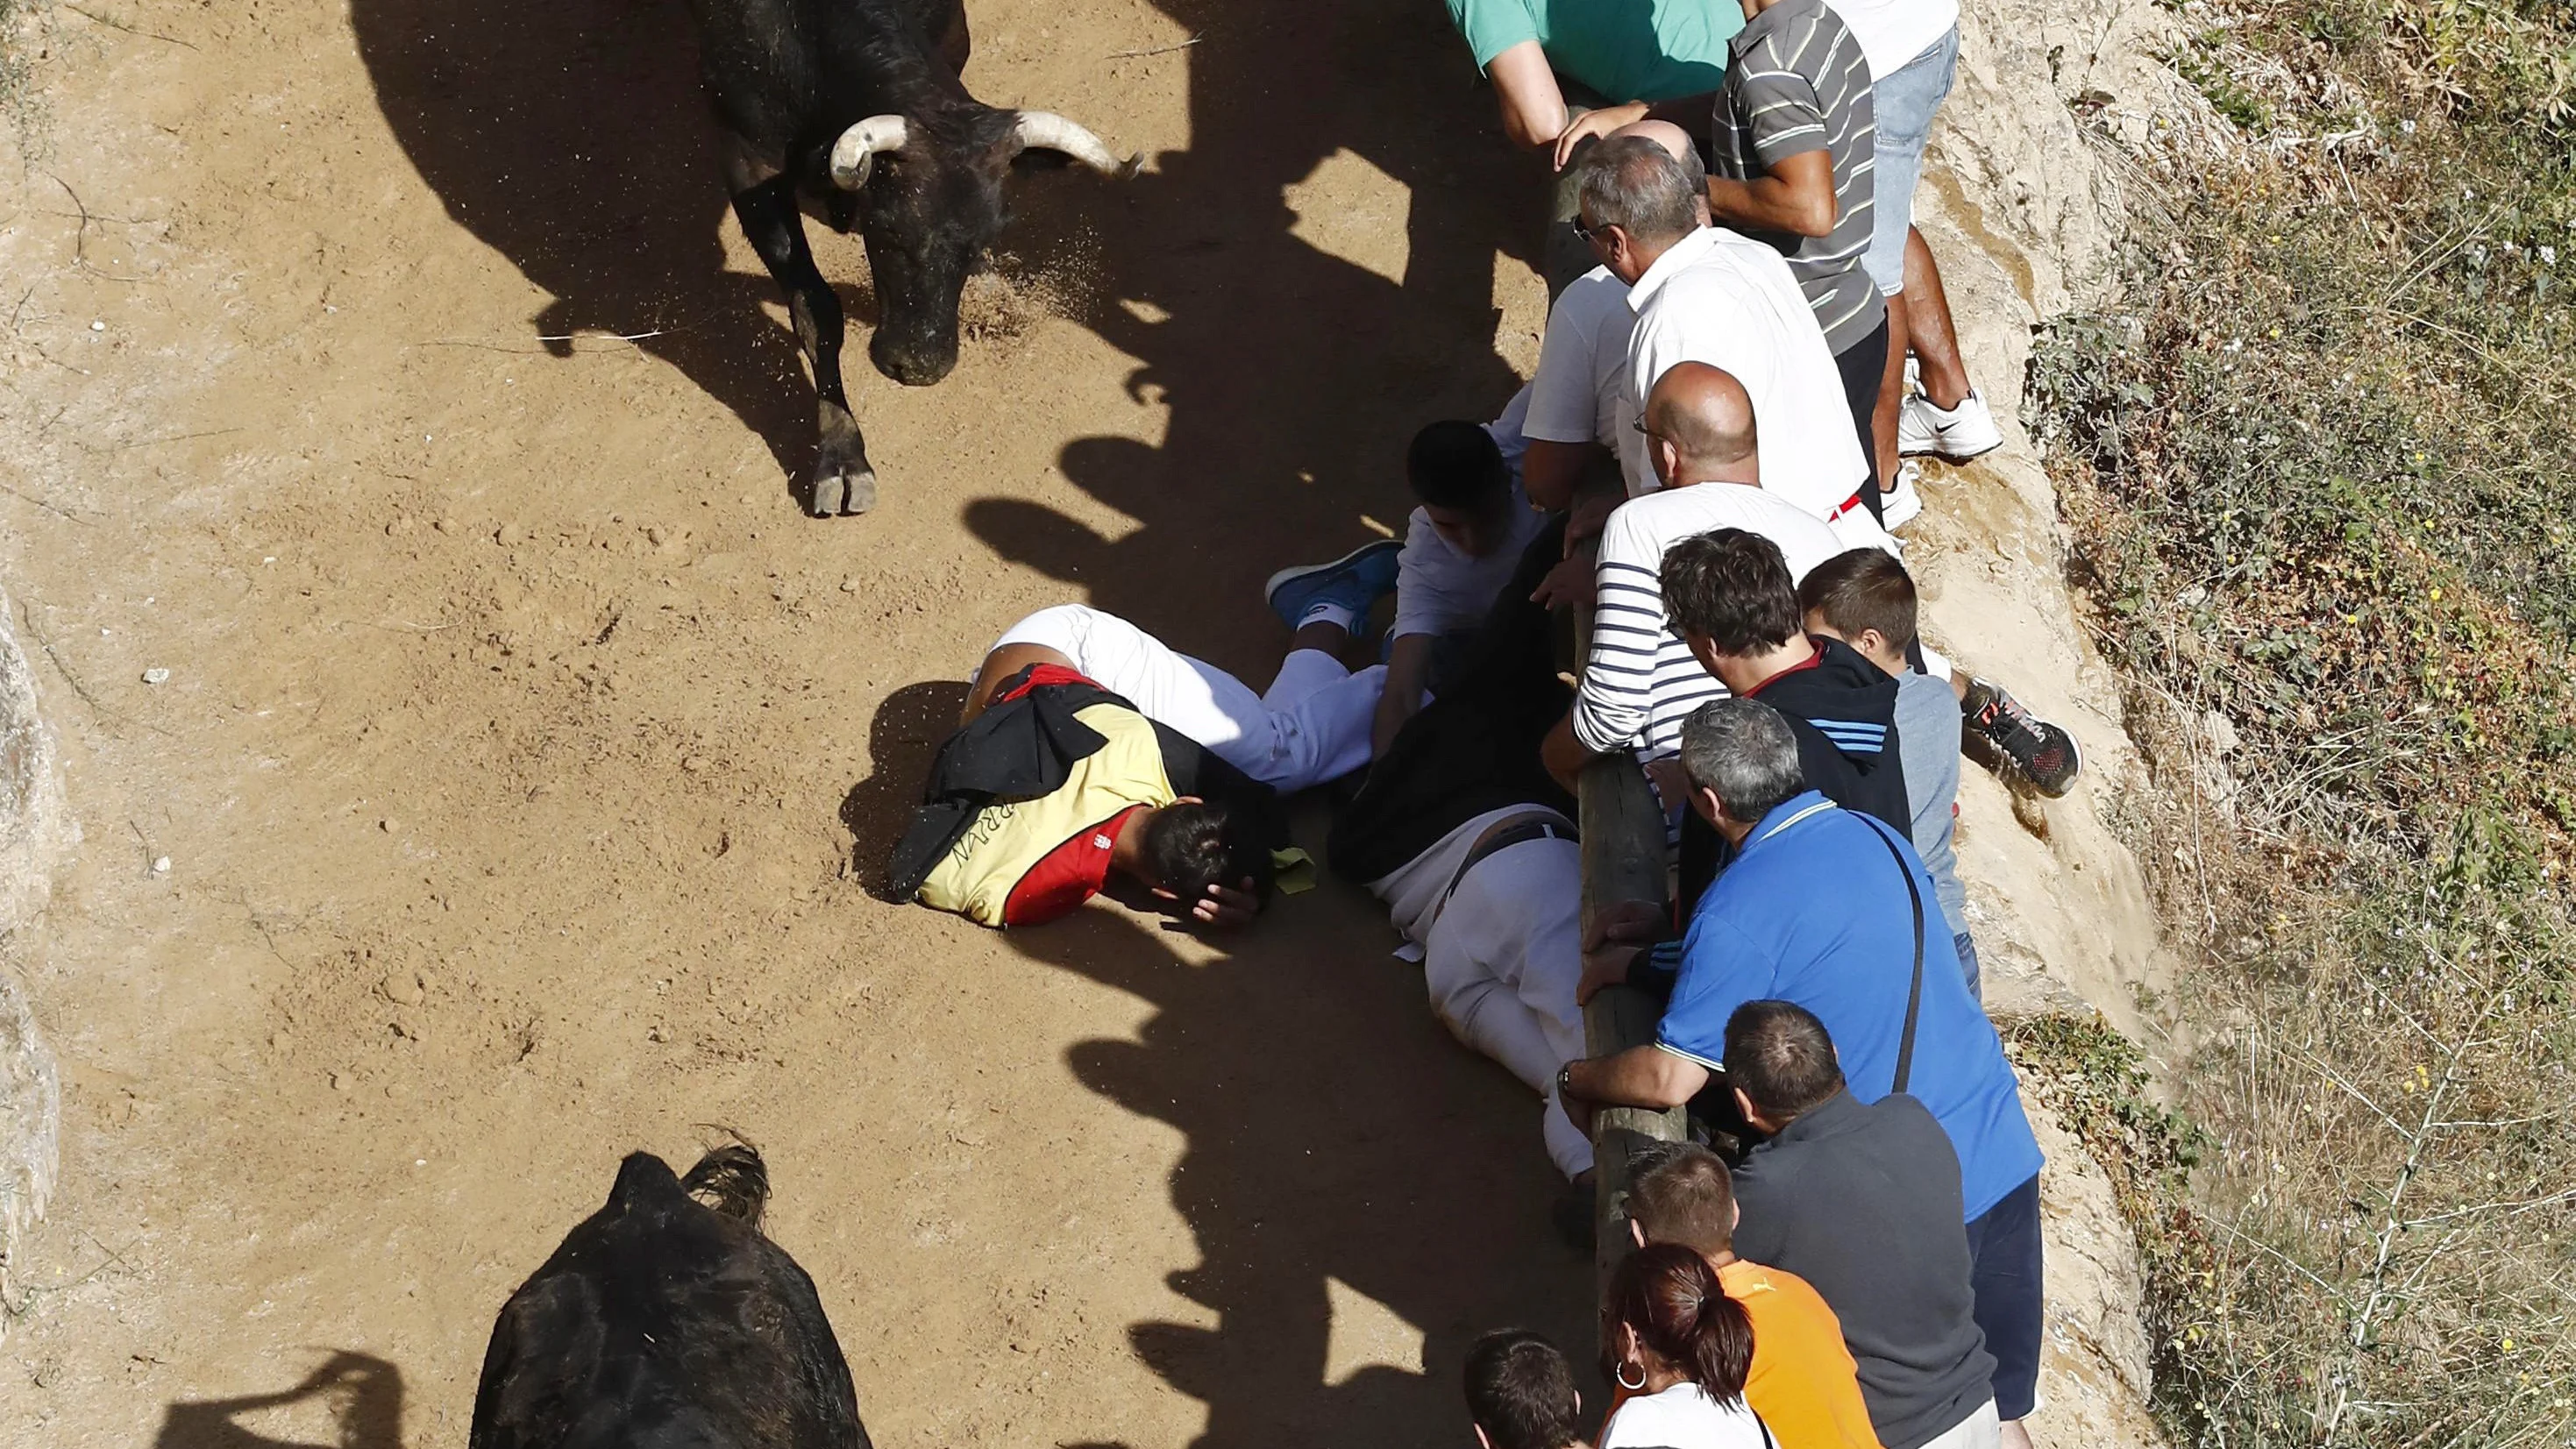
(1957,434)
(1901,504)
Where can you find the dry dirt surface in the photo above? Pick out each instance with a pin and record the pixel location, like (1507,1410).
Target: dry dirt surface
(391,375)
(518,732)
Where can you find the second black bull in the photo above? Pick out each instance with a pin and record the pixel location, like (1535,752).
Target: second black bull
(561,134)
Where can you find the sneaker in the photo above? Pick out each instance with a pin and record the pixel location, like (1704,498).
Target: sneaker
(2045,753)
(1958,434)
(1901,505)
(1356,581)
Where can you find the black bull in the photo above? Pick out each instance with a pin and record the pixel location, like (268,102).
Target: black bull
(559,134)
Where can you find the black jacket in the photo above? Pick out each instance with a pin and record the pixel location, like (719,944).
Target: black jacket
(1025,748)
(1474,748)
(1842,708)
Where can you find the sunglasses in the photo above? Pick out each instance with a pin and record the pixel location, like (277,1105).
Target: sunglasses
(1590,233)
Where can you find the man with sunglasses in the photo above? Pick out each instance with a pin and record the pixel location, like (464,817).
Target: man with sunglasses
(1701,293)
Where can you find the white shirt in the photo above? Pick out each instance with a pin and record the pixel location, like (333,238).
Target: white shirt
(1439,590)
(1893,32)
(1580,394)
(1414,890)
(1683,1417)
(1641,682)
(1729,301)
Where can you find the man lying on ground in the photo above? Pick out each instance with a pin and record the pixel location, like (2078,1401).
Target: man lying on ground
(1058,789)
(1863,957)
(1312,725)
(1462,542)
(1642,679)
(1803,1382)
(1866,599)
(1472,847)
(1864,1201)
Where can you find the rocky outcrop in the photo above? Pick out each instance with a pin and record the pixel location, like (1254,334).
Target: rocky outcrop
(34,830)
(2024,203)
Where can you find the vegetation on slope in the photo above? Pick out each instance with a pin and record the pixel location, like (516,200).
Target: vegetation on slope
(2319,466)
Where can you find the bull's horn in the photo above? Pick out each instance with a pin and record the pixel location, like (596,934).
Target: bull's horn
(1047,131)
(855,153)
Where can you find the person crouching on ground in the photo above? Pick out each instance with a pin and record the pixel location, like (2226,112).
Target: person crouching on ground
(1463,541)
(1059,789)
(1679,1350)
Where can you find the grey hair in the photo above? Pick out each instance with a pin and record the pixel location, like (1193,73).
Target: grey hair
(1741,750)
(1634,184)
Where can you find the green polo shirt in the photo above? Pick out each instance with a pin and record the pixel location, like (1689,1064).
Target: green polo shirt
(1627,50)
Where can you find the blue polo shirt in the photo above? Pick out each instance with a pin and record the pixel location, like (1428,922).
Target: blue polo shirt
(1812,912)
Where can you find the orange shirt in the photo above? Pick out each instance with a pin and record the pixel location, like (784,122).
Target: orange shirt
(1803,1384)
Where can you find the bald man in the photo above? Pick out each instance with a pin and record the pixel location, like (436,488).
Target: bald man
(1641,681)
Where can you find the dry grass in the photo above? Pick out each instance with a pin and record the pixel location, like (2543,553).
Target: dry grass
(2316,467)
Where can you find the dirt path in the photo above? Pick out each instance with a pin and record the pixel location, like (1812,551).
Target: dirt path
(517,730)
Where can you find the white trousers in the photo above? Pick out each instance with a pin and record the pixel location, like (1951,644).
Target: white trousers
(1980,1430)
(1311,726)
(1502,961)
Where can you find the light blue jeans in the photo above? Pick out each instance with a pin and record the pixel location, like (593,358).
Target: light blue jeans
(1905,99)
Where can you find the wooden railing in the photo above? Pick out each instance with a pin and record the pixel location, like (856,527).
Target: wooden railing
(1623,860)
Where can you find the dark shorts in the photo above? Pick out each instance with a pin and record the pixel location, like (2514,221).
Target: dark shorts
(2004,1258)
(1863,367)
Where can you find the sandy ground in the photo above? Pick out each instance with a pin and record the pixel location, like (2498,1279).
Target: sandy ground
(519,731)
(519,735)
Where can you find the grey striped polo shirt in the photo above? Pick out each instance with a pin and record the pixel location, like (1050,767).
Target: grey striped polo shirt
(1800,83)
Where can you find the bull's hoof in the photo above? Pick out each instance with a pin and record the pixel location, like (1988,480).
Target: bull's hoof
(843,493)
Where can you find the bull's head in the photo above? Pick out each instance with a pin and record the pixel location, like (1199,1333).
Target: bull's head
(929,201)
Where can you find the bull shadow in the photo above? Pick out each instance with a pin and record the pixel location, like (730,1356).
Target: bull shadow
(362,1395)
(571,138)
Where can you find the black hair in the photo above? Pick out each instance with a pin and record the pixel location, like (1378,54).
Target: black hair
(1192,845)
(1780,1055)
(1732,586)
(1456,465)
(1862,589)
(1520,1391)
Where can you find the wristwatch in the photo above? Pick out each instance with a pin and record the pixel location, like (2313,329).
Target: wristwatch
(1564,1082)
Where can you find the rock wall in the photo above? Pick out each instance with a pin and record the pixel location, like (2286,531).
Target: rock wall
(2024,202)
(34,832)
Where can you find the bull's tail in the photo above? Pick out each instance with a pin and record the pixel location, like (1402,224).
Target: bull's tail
(732,1180)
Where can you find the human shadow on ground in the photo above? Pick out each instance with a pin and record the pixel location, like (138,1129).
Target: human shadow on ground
(1336,1134)
(364,1395)
(1358,1184)
(573,139)
(1293,375)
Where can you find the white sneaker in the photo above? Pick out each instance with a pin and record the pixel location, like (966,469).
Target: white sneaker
(1901,504)
(1958,434)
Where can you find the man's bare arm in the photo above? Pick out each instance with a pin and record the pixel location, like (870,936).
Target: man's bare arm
(1533,106)
(1796,196)
(1646,1076)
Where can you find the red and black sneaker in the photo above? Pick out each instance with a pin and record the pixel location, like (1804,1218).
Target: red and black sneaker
(2045,754)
